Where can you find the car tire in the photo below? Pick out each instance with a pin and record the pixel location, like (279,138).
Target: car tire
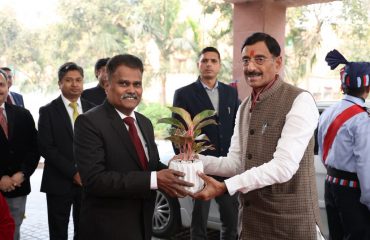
(166,218)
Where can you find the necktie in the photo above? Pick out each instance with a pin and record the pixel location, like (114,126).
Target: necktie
(8,99)
(73,105)
(137,142)
(3,122)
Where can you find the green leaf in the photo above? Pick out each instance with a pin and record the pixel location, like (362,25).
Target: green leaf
(203,115)
(183,114)
(202,137)
(205,123)
(172,121)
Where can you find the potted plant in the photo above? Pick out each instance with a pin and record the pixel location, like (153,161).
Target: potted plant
(187,137)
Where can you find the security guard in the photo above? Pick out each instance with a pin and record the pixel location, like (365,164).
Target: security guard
(344,145)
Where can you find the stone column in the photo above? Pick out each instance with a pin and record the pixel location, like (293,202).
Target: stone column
(250,17)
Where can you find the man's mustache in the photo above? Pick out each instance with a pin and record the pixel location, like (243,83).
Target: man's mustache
(129,95)
(252,74)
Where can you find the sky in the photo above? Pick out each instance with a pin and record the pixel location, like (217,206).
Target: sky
(32,13)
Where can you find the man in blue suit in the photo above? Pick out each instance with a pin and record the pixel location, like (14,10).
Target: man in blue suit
(13,97)
(209,93)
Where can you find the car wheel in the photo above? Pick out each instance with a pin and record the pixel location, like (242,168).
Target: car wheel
(166,218)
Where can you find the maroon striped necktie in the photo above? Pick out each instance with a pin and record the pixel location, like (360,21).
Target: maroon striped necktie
(137,142)
(3,122)
(9,100)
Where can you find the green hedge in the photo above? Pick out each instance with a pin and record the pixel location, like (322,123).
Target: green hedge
(155,111)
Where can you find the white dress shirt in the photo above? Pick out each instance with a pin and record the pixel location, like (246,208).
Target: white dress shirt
(153,174)
(301,121)
(70,110)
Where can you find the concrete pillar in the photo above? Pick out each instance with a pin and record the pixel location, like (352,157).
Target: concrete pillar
(250,17)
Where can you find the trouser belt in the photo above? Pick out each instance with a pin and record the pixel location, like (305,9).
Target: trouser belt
(342,178)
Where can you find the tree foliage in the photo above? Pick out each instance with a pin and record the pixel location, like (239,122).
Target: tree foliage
(92,29)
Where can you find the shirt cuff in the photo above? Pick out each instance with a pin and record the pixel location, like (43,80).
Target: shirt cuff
(153,181)
(232,185)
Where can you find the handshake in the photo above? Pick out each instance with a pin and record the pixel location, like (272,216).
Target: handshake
(171,182)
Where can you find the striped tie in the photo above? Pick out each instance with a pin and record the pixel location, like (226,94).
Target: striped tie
(73,105)
(3,123)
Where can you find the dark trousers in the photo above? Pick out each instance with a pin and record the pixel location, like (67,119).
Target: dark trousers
(348,219)
(228,207)
(59,209)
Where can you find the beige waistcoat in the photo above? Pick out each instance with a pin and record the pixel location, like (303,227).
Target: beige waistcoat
(281,211)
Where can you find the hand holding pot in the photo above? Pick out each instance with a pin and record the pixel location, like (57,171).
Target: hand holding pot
(169,181)
(212,189)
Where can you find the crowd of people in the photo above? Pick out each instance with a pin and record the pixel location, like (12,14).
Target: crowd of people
(101,159)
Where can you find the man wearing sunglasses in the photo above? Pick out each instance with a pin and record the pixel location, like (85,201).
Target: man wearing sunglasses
(13,97)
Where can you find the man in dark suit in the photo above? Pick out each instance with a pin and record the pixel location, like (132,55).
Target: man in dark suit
(97,94)
(13,97)
(61,181)
(19,154)
(208,93)
(118,160)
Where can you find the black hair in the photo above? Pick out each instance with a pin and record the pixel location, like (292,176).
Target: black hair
(210,49)
(355,92)
(102,62)
(271,43)
(69,66)
(3,73)
(127,60)
(6,69)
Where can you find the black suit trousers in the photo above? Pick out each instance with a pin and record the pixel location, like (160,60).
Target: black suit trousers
(59,209)
(348,218)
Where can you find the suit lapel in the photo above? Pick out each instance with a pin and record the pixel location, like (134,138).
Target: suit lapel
(222,101)
(10,115)
(144,131)
(202,96)
(85,105)
(120,128)
(61,109)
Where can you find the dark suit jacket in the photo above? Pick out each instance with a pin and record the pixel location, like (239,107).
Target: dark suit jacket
(56,146)
(117,202)
(95,95)
(18,99)
(19,152)
(194,99)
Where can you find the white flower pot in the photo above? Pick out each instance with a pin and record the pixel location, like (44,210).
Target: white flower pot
(190,169)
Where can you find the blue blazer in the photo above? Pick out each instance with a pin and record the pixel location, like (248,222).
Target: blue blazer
(18,99)
(194,99)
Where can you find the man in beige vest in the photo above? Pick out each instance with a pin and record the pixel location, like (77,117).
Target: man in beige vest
(270,160)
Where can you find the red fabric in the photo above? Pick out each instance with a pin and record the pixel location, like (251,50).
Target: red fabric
(336,124)
(3,122)
(9,100)
(7,225)
(137,142)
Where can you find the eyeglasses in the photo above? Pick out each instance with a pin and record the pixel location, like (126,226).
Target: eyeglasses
(259,60)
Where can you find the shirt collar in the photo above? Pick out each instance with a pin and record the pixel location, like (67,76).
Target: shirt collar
(67,102)
(206,87)
(356,100)
(123,116)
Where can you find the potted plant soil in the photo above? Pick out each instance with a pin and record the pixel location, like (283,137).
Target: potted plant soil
(187,137)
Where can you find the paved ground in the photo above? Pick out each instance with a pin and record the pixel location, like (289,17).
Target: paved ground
(35,225)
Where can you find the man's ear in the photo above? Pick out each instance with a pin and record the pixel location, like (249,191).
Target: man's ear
(278,64)
(367,89)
